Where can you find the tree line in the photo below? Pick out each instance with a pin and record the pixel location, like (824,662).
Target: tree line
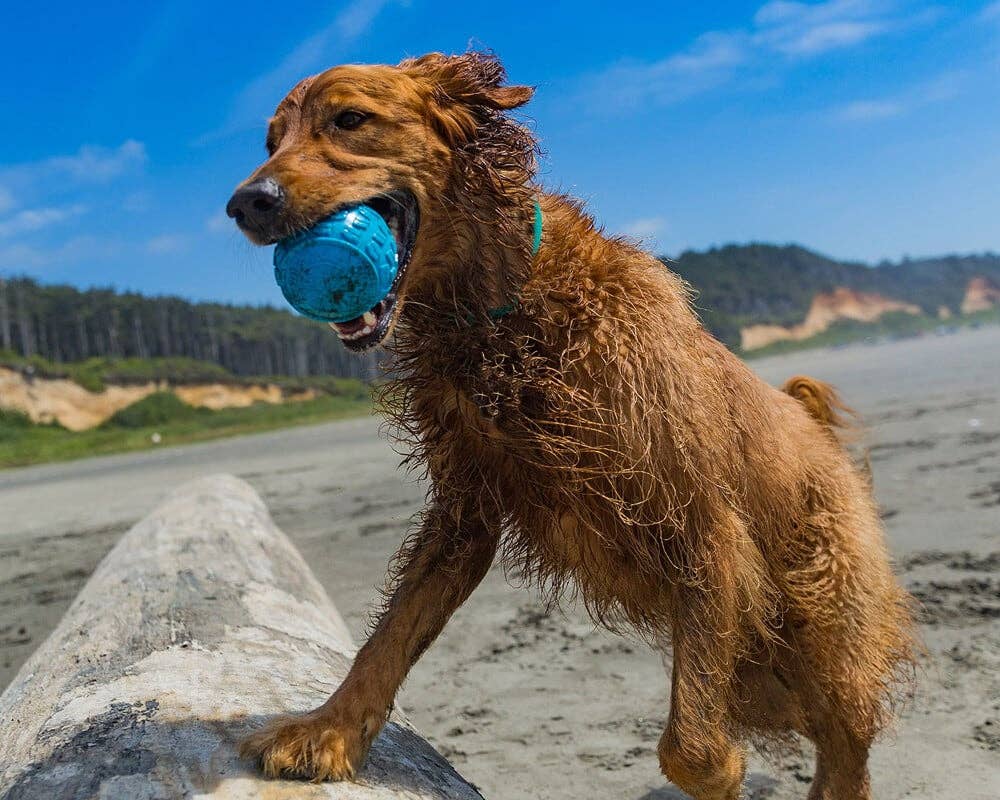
(65,324)
(734,286)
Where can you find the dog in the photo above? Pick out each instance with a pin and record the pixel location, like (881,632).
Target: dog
(577,423)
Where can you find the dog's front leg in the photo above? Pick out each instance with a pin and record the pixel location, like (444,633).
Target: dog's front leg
(438,569)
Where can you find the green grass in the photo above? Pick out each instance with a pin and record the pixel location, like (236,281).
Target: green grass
(896,325)
(23,442)
(158,409)
(96,373)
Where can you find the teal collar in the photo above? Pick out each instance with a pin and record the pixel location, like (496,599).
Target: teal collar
(536,242)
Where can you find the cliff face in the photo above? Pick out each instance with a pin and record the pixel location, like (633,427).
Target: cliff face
(981,294)
(825,309)
(60,400)
(740,287)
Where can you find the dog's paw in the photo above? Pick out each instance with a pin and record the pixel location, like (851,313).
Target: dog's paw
(309,746)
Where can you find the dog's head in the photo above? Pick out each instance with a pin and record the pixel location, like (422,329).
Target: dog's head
(386,136)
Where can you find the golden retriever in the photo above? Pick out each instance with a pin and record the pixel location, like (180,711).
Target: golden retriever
(577,422)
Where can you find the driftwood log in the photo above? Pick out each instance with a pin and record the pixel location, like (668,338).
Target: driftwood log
(200,624)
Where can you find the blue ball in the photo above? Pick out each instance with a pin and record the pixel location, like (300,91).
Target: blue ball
(340,268)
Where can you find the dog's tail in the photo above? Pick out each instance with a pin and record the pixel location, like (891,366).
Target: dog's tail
(840,420)
(823,404)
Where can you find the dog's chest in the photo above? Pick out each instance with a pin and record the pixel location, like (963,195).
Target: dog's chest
(561,549)
(573,546)
(562,528)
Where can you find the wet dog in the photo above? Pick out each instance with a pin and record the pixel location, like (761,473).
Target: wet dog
(577,422)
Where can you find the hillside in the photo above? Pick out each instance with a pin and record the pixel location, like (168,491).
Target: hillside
(739,286)
(750,296)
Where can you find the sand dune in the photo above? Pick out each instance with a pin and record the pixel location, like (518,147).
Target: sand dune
(980,295)
(826,308)
(66,402)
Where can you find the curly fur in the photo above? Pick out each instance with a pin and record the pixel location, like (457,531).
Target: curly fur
(605,446)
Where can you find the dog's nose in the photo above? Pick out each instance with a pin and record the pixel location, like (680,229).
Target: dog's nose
(256,203)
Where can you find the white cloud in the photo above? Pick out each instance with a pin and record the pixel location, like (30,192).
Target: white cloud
(258,98)
(710,51)
(166,243)
(806,29)
(355,20)
(940,89)
(709,60)
(34,219)
(645,227)
(23,256)
(219,222)
(866,110)
(781,31)
(137,202)
(36,196)
(20,255)
(90,164)
(829,36)
(991,12)
(95,164)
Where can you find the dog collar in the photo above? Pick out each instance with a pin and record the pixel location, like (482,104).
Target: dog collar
(536,242)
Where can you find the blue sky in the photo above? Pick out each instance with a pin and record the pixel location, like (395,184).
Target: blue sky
(865,129)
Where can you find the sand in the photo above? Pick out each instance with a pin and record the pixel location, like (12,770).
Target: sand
(64,401)
(529,704)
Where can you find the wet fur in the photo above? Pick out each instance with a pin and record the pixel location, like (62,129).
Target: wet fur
(603,445)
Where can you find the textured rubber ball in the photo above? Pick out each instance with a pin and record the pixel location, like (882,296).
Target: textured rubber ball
(340,268)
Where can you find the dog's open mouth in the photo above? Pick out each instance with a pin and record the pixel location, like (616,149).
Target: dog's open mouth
(402,214)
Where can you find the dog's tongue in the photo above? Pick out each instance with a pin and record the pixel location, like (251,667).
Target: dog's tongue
(359,326)
(352,326)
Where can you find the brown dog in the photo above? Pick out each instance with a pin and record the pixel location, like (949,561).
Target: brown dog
(574,417)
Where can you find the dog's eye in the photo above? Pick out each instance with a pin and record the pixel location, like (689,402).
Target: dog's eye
(349,120)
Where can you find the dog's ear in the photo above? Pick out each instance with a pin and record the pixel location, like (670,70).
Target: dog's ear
(473,79)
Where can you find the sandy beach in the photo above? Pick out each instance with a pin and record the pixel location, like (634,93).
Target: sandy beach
(530,704)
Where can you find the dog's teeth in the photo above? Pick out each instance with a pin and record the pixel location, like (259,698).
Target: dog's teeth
(357,334)
(370,319)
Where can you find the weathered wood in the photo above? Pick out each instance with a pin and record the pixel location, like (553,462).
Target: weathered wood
(200,624)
